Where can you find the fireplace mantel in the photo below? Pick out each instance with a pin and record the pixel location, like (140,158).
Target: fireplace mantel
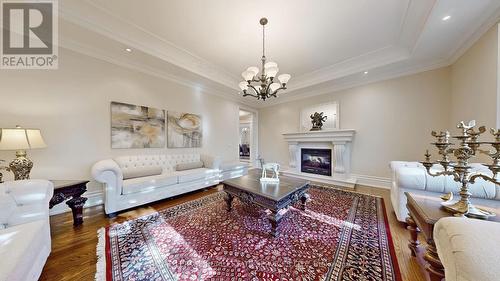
(336,136)
(340,143)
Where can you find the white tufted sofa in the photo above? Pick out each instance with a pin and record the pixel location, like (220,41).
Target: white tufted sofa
(121,194)
(412,177)
(24,228)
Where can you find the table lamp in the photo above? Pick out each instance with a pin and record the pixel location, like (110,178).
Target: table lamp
(20,139)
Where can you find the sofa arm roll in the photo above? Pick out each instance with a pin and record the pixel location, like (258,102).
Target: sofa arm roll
(108,172)
(212,162)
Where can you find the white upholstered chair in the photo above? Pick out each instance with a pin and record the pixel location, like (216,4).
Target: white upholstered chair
(25,241)
(468,248)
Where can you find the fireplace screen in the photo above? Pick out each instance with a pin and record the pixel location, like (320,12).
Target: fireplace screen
(316,161)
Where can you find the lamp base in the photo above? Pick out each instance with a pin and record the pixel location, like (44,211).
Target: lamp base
(21,166)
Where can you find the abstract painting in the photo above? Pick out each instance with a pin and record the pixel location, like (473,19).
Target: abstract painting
(183,130)
(135,126)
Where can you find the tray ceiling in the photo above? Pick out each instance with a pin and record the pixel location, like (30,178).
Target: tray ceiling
(321,43)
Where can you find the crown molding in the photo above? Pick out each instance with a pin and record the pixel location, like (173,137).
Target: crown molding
(103,22)
(110,58)
(411,27)
(390,73)
(390,59)
(473,36)
(367,61)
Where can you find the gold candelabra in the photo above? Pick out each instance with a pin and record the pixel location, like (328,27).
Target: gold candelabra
(461,170)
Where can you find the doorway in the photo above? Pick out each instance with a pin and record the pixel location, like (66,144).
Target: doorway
(247,136)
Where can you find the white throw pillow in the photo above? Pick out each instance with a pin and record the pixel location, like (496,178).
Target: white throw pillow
(189,166)
(142,172)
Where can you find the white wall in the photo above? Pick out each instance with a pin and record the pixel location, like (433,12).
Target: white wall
(474,82)
(392,119)
(72,108)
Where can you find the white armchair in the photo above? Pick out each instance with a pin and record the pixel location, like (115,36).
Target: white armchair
(24,228)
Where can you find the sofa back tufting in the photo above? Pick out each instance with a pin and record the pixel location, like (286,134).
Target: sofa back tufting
(166,161)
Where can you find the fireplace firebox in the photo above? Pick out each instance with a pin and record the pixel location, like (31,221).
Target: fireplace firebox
(316,161)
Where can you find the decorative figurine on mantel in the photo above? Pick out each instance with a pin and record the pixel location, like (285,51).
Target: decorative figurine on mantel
(275,167)
(317,120)
(461,170)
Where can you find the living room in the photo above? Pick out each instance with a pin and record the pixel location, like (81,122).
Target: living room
(359,143)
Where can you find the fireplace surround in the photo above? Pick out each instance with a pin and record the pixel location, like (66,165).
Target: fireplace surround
(338,141)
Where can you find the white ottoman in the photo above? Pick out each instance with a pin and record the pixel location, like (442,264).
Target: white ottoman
(468,248)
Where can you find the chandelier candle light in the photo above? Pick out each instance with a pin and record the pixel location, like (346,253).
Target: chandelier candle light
(460,170)
(265,86)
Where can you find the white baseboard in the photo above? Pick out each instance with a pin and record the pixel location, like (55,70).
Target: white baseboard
(373,181)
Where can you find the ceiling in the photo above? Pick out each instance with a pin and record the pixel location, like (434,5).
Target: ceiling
(325,45)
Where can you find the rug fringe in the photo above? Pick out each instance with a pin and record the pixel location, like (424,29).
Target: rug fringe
(100,274)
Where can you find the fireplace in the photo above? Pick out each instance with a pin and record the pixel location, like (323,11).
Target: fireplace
(316,161)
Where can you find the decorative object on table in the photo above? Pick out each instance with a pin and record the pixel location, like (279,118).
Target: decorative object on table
(135,126)
(461,170)
(72,190)
(348,238)
(184,130)
(20,139)
(275,168)
(330,109)
(317,120)
(265,85)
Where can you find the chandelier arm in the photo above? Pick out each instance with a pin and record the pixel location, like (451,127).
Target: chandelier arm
(254,89)
(274,94)
(246,94)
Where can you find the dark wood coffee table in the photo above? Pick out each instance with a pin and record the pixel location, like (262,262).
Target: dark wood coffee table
(424,212)
(273,196)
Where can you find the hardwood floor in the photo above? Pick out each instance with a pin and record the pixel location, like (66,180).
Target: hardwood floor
(73,254)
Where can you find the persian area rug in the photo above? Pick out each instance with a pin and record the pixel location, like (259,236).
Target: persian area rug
(341,236)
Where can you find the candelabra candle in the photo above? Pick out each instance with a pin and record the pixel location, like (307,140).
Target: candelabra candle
(461,170)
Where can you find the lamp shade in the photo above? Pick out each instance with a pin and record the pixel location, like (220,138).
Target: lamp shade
(20,139)
(274,86)
(271,71)
(247,75)
(253,69)
(35,138)
(243,85)
(284,78)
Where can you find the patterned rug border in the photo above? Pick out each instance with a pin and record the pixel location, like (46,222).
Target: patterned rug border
(103,252)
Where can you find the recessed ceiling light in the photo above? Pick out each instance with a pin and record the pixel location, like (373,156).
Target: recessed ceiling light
(366,72)
(446,18)
(128,50)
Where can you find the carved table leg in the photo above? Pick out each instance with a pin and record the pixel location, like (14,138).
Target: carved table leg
(274,219)
(76,205)
(435,267)
(413,242)
(229,200)
(304,200)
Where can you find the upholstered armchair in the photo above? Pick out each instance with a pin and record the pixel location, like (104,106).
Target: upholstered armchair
(24,228)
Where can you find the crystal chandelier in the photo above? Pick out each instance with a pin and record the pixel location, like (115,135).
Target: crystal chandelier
(265,86)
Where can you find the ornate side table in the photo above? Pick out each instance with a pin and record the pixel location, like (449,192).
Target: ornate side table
(424,213)
(72,190)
